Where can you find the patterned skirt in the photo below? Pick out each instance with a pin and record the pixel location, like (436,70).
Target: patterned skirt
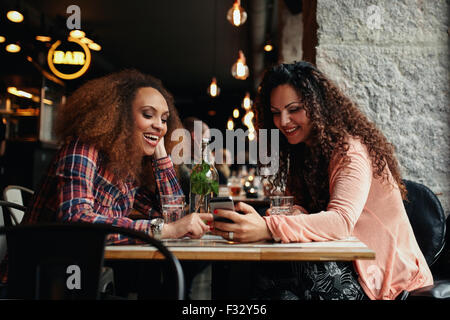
(308,281)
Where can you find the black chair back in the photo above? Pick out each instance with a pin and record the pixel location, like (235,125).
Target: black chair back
(64,261)
(427,219)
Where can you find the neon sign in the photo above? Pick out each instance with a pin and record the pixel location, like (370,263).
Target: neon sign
(69,62)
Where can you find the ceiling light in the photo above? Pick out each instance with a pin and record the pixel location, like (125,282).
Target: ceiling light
(19,93)
(213,90)
(2,39)
(43,38)
(247,102)
(94,46)
(14,16)
(236,113)
(237,15)
(13,48)
(248,121)
(77,34)
(86,40)
(230,124)
(268,47)
(240,70)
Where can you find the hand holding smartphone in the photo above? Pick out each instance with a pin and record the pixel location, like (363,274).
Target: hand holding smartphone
(225,203)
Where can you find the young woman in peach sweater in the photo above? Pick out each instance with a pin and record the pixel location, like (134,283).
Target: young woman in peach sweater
(345,180)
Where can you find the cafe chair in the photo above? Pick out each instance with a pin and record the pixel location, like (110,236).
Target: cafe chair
(428,222)
(63,261)
(17,194)
(10,219)
(9,216)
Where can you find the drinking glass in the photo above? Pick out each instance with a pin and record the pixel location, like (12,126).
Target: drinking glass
(264,173)
(234,186)
(281,205)
(172,207)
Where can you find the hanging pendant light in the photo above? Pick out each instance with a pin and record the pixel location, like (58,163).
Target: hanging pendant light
(240,70)
(94,46)
(248,121)
(230,124)
(247,102)
(268,46)
(78,34)
(42,33)
(15,16)
(237,15)
(13,47)
(213,90)
(236,113)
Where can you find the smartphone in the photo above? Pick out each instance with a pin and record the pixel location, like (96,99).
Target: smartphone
(225,203)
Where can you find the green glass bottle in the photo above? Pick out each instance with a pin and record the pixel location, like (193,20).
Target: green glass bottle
(204,182)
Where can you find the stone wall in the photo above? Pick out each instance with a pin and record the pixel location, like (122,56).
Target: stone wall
(291,34)
(392,58)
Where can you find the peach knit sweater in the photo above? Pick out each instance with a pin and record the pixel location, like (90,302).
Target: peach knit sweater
(371,210)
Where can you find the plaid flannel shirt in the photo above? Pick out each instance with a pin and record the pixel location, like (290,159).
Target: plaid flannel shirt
(78,188)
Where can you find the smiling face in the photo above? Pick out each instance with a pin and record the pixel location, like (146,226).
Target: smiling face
(150,113)
(289,114)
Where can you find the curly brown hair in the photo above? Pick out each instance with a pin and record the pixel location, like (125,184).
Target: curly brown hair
(100,113)
(334,117)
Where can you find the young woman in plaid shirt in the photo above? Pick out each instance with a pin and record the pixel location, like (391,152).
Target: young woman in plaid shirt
(114,158)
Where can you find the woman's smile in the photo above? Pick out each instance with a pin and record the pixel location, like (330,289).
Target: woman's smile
(289,114)
(150,112)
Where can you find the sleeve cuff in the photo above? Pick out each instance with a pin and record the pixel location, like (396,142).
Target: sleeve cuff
(163,163)
(272,233)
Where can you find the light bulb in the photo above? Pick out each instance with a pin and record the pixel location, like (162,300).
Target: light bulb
(248,121)
(19,93)
(94,46)
(43,38)
(230,124)
(13,48)
(268,47)
(2,39)
(86,40)
(14,16)
(213,90)
(237,15)
(77,34)
(236,113)
(247,102)
(240,70)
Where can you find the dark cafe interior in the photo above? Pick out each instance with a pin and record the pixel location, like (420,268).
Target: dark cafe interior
(294,116)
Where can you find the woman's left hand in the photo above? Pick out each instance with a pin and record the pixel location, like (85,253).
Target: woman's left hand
(247,227)
(160,150)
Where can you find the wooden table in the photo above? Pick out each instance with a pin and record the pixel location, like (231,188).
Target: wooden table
(214,248)
(232,263)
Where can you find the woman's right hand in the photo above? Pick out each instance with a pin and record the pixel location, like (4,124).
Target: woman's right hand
(191,225)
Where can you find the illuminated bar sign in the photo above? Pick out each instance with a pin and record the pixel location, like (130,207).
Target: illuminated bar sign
(69,59)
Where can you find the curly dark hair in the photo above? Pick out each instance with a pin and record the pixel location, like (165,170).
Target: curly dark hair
(100,113)
(334,117)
